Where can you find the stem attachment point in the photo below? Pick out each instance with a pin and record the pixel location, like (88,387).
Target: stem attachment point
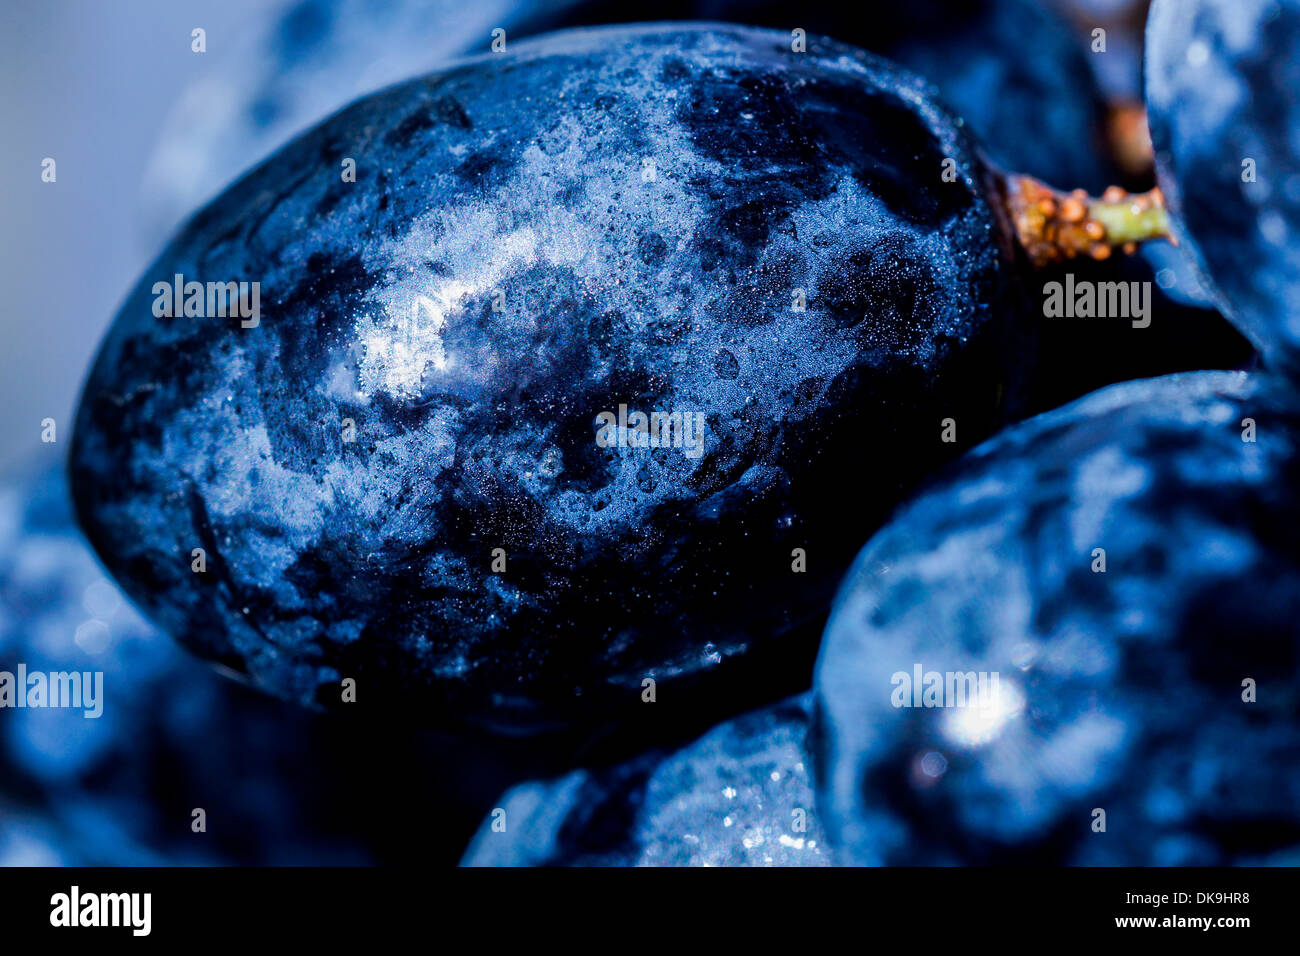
(1053,226)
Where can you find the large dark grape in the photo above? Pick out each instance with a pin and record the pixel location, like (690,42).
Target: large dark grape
(1222,91)
(741,795)
(1121,675)
(596,219)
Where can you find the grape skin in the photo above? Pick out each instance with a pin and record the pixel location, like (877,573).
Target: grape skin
(1122,689)
(1221,81)
(526,174)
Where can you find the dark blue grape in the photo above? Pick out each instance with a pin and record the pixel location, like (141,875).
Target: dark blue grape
(1222,79)
(741,795)
(524,174)
(1121,689)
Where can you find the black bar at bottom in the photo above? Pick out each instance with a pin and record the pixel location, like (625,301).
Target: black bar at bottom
(304,906)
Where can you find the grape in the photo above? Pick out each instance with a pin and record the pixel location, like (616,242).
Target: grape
(1126,567)
(741,795)
(394,478)
(1221,81)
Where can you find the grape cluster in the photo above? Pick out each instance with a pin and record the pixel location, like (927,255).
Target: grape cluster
(564,416)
